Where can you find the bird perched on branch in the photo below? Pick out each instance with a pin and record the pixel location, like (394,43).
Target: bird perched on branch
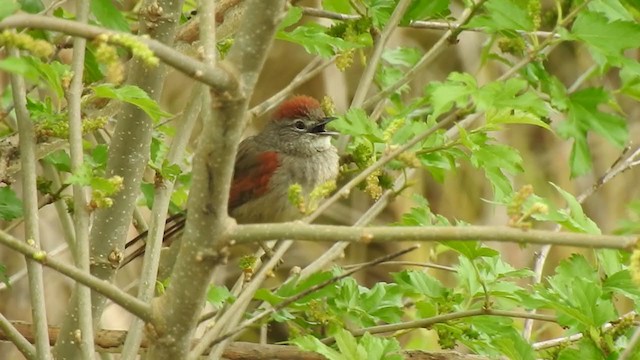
(293,148)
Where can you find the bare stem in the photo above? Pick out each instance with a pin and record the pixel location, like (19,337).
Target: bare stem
(216,78)
(81,209)
(250,233)
(25,347)
(366,79)
(133,305)
(30,200)
(179,307)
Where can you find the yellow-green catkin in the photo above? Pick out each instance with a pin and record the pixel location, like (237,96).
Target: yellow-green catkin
(22,41)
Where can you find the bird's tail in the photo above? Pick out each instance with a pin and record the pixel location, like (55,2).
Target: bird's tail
(172,230)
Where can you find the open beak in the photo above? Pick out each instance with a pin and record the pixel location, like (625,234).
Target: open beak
(320,129)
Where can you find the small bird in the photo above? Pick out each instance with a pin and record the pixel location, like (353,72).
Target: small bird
(293,148)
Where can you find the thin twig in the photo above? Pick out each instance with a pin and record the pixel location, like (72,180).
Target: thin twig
(366,79)
(312,69)
(216,78)
(426,323)
(39,257)
(25,347)
(30,205)
(410,263)
(162,199)
(416,24)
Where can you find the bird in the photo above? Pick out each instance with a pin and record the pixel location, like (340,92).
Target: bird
(293,148)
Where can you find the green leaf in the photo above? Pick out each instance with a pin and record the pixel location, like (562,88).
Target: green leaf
(10,205)
(314,38)
(19,66)
(31,6)
(425,10)
(578,220)
(504,15)
(133,95)
(584,116)
(9,7)
(507,116)
(611,9)
(108,15)
(3,276)
(339,6)
(100,155)
(512,94)
(219,295)
(348,346)
(621,283)
(60,160)
(379,11)
(606,39)
(455,91)
(470,249)
(355,122)
(292,17)
(420,282)
(310,343)
(148,193)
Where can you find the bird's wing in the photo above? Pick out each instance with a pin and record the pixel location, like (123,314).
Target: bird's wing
(253,170)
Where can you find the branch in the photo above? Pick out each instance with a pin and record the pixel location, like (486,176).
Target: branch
(13,334)
(372,65)
(81,208)
(430,25)
(30,203)
(130,303)
(217,78)
(382,234)
(178,309)
(427,323)
(110,341)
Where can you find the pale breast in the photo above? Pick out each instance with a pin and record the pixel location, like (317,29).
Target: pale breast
(274,205)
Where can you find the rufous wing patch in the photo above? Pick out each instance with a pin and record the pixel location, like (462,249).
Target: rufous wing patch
(253,182)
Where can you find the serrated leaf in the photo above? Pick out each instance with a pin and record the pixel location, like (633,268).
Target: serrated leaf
(310,343)
(420,282)
(348,346)
(10,205)
(470,249)
(455,91)
(314,38)
(355,122)
(60,160)
(606,39)
(133,95)
(504,15)
(579,220)
(294,14)
(108,15)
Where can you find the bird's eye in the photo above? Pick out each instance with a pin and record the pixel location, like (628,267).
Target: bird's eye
(299,124)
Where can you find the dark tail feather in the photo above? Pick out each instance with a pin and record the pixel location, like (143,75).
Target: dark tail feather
(173,228)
